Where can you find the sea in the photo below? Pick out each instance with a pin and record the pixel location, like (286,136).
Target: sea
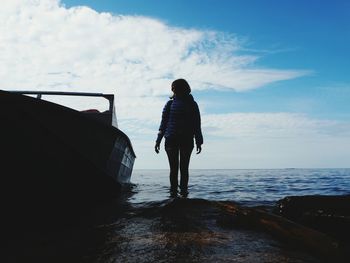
(249,187)
(146,224)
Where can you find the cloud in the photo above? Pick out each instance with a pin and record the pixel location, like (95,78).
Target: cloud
(256,126)
(44,45)
(250,153)
(255,140)
(272,125)
(47,46)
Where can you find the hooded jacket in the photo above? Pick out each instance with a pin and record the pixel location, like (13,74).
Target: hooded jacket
(181,118)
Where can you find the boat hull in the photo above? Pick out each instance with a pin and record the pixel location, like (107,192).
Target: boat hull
(52,155)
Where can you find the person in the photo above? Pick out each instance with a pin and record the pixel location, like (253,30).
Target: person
(180,123)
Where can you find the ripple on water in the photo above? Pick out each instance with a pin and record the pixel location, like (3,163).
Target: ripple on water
(245,185)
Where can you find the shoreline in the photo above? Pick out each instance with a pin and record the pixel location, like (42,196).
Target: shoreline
(174,229)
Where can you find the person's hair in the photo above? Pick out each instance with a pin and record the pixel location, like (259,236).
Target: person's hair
(180,87)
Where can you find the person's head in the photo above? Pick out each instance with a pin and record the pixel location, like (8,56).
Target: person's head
(181,88)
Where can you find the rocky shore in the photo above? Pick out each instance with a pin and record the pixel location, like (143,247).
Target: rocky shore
(317,224)
(327,214)
(299,229)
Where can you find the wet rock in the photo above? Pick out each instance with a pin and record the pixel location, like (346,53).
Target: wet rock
(192,215)
(319,244)
(328,214)
(173,230)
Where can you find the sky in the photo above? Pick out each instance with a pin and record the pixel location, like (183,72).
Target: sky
(271,77)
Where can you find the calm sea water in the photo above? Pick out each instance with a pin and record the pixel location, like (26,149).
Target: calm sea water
(249,187)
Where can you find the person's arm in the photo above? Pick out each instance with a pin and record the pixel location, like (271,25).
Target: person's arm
(197,128)
(162,127)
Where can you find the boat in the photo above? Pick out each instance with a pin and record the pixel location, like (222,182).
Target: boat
(55,156)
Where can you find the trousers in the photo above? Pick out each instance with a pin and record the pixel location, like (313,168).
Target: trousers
(179,150)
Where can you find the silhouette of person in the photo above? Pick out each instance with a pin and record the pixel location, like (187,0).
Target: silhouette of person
(180,123)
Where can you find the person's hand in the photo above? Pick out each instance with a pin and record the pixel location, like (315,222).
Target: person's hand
(157,147)
(199,149)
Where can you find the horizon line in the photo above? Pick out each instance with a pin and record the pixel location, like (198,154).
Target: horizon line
(287,168)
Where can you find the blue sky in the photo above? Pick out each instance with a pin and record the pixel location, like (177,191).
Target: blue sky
(311,35)
(271,77)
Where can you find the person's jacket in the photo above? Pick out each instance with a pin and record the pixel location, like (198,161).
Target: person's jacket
(181,118)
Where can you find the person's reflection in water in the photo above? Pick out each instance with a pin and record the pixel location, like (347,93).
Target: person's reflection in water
(180,123)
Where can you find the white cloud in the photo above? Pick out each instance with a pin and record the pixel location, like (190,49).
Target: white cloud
(46,46)
(254,153)
(258,140)
(272,125)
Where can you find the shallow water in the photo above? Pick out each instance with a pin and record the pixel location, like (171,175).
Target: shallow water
(145,225)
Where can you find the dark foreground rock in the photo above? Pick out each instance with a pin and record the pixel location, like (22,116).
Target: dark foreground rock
(179,230)
(328,214)
(326,248)
(191,215)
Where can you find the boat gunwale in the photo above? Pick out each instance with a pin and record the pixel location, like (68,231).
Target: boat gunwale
(109,97)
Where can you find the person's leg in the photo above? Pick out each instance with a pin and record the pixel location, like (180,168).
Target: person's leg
(173,157)
(185,155)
